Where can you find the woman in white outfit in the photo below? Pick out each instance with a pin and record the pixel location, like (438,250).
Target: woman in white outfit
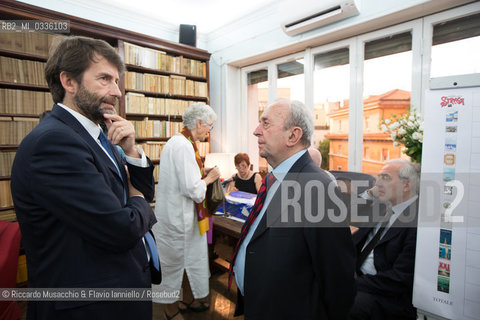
(180,193)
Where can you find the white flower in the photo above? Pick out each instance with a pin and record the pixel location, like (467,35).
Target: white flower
(384,128)
(393,135)
(420,137)
(416,136)
(394,126)
(402,131)
(411,118)
(420,127)
(387,121)
(410,124)
(396,144)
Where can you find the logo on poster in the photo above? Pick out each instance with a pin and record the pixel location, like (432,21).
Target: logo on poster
(451,101)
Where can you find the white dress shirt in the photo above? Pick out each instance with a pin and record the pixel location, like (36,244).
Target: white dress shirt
(279,172)
(368,266)
(94,130)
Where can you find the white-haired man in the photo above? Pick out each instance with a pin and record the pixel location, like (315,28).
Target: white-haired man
(292,272)
(386,250)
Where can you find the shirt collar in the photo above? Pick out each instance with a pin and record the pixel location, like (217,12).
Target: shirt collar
(92,128)
(283,168)
(399,208)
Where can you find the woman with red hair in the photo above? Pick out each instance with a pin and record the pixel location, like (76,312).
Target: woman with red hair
(245,180)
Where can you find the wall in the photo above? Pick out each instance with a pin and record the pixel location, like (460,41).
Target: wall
(117,17)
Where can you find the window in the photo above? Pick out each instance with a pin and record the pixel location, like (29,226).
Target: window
(331,103)
(388,80)
(291,80)
(387,90)
(257,101)
(384,154)
(455,47)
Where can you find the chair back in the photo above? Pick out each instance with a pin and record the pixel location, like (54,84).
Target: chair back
(362,181)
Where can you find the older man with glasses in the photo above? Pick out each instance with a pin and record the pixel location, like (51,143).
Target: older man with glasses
(386,248)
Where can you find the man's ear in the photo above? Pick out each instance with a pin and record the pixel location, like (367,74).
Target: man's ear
(407,186)
(68,83)
(294,136)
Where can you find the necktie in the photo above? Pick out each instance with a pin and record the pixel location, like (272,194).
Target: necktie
(152,248)
(104,141)
(257,207)
(106,146)
(373,242)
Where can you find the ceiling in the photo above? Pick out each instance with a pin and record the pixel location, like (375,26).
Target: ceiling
(207,15)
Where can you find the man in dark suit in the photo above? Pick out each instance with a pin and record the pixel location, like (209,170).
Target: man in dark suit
(83,218)
(386,248)
(303,270)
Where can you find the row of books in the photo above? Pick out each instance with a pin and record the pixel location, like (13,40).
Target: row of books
(138,103)
(153,149)
(22,71)
(6,162)
(165,84)
(5,194)
(156,128)
(35,43)
(156,167)
(24,102)
(12,132)
(154,59)
(8,215)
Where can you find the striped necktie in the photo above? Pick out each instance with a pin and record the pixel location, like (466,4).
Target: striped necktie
(257,207)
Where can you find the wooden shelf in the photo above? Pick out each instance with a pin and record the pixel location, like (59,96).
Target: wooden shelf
(2,178)
(9,147)
(167,95)
(6,208)
(132,67)
(19,115)
(143,139)
(140,116)
(23,86)
(22,55)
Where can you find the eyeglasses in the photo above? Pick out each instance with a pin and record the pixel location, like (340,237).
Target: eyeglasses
(384,177)
(211,126)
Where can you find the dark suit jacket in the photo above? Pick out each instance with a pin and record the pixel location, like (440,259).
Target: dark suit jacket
(302,272)
(76,231)
(394,259)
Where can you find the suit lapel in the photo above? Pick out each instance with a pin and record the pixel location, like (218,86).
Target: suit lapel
(274,215)
(67,118)
(409,214)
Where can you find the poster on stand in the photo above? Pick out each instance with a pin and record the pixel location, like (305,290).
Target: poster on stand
(447,265)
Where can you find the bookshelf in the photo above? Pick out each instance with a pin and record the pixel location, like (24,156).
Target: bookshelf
(162,78)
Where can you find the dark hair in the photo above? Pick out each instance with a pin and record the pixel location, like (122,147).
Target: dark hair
(74,55)
(241,157)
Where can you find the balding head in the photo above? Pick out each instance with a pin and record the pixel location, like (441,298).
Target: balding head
(315,155)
